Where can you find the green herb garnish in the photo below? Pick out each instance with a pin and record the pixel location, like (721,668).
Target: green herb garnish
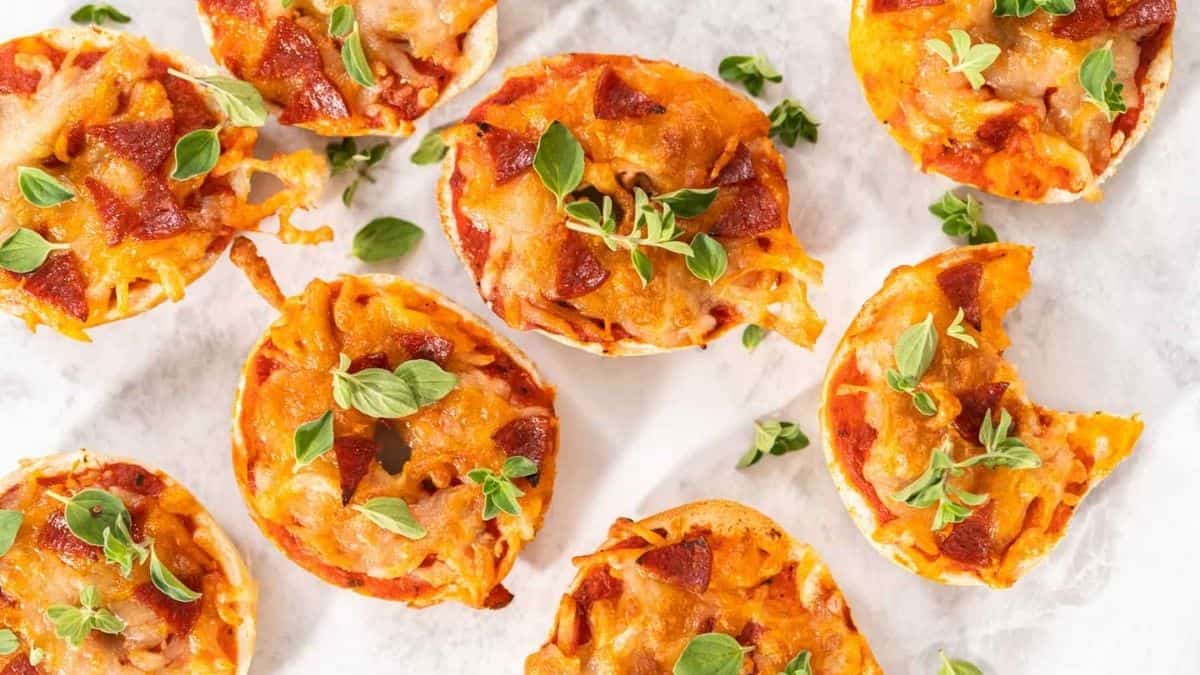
(168,583)
(342,24)
(914,353)
(963,218)
(393,515)
(10,525)
(790,122)
(500,494)
(1099,80)
(957,666)
(313,439)
(390,394)
(559,161)
(431,149)
(801,665)
(384,239)
(8,642)
(752,336)
(963,57)
(1023,8)
(74,624)
(196,154)
(345,156)
(41,189)
(239,100)
(98,13)
(774,438)
(999,448)
(711,654)
(958,331)
(99,518)
(753,72)
(25,251)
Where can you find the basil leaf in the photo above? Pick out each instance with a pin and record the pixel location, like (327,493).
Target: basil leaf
(427,381)
(752,336)
(97,14)
(431,150)
(373,391)
(165,581)
(384,239)
(801,665)
(518,467)
(559,161)
(8,642)
(341,21)
(708,261)
(313,439)
(688,203)
(711,654)
(753,72)
(1099,80)
(393,515)
(915,349)
(957,666)
(355,60)
(25,251)
(791,122)
(196,154)
(10,525)
(643,266)
(41,189)
(239,100)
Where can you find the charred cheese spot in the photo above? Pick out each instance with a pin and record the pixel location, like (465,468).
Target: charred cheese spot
(643,125)
(1026,510)
(499,408)
(710,566)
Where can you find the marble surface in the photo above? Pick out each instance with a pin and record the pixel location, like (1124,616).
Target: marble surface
(1112,322)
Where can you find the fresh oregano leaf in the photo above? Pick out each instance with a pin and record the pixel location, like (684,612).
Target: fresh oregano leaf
(963,57)
(915,349)
(688,202)
(708,261)
(427,381)
(384,239)
(92,511)
(341,21)
(711,654)
(239,100)
(393,515)
(10,525)
(74,624)
(166,582)
(558,161)
(25,251)
(800,665)
(957,666)
(431,149)
(753,72)
(41,189)
(958,331)
(313,439)
(752,336)
(791,122)
(196,154)
(1099,80)
(98,13)
(373,391)
(963,218)
(500,494)
(355,60)
(8,642)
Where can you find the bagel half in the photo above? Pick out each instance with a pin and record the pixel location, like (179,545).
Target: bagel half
(877,442)
(421,55)
(711,566)
(499,408)
(49,565)
(1029,133)
(136,236)
(644,126)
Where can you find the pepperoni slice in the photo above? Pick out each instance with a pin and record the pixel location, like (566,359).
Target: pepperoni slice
(498,598)
(970,542)
(13,78)
(59,282)
(1147,13)
(372,360)
(853,436)
(1087,21)
(475,242)
(960,284)
(900,5)
(20,665)
(530,437)
(354,459)
(161,215)
(243,9)
(750,634)
(263,367)
(132,478)
(180,616)
(117,217)
(426,346)
(523,389)
(975,404)
(146,144)
(599,584)
(85,60)
(290,52)
(56,536)
(188,105)
(997,132)
(687,564)
(315,98)
(579,270)
(510,92)
(740,168)
(615,99)
(754,210)
(511,153)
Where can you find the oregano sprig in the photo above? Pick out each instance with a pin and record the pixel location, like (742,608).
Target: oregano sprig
(914,353)
(343,25)
(500,494)
(800,665)
(98,13)
(41,189)
(963,217)
(1099,80)
(753,72)
(773,437)
(963,57)
(239,100)
(74,624)
(958,331)
(390,394)
(753,335)
(345,156)
(933,488)
(790,122)
(167,583)
(1000,449)
(431,149)
(9,642)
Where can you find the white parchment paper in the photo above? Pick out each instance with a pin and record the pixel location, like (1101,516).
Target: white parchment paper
(1112,322)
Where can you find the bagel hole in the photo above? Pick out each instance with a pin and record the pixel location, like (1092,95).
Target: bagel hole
(263,186)
(393,452)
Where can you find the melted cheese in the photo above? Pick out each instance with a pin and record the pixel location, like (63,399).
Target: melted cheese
(760,578)
(130,276)
(34,577)
(1029,507)
(686,146)
(935,114)
(462,557)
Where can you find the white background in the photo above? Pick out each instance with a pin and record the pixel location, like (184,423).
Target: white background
(1112,322)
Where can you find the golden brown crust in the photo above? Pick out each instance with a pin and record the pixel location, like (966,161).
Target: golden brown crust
(137,237)
(421,53)
(877,443)
(537,275)
(1028,134)
(712,566)
(499,408)
(219,637)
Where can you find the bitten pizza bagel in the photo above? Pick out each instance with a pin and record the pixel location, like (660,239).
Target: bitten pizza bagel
(707,574)
(109,566)
(625,206)
(1036,101)
(353,68)
(942,460)
(388,442)
(115,192)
